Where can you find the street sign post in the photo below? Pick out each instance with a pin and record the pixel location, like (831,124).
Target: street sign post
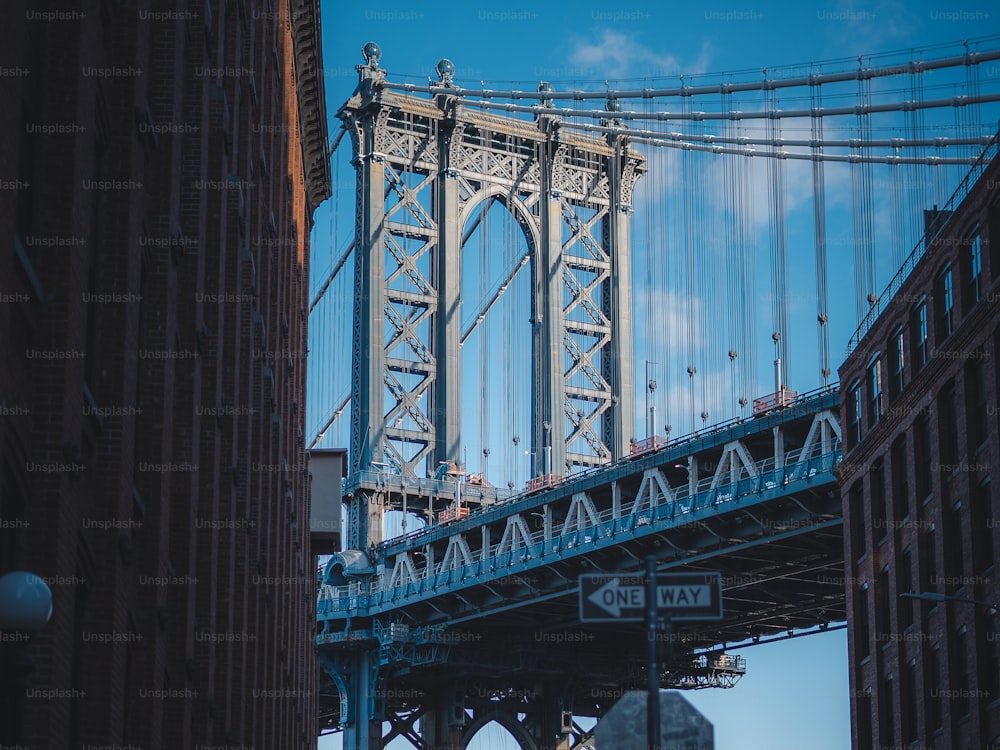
(634,598)
(622,598)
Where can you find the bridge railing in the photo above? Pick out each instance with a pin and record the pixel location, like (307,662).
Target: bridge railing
(504,495)
(607,528)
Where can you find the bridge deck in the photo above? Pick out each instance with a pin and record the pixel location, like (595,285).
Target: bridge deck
(500,586)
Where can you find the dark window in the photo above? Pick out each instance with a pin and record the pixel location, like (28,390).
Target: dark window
(862,633)
(883,613)
(900,484)
(903,585)
(943,304)
(928,561)
(982,527)
(972,267)
(922,456)
(854,409)
(933,688)
(960,668)
(865,721)
(918,336)
(947,428)
(886,716)
(994,224)
(976,401)
(856,500)
(896,360)
(908,678)
(955,550)
(874,393)
(989,647)
(880,519)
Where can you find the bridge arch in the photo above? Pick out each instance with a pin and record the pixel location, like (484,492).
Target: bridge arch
(499,295)
(497,193)
(505,719)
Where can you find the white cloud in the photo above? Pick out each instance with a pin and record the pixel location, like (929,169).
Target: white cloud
(620,55)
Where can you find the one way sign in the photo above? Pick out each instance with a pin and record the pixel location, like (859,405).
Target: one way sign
(622,598)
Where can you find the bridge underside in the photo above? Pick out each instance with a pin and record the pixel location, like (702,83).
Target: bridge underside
(482,614)
(780,572)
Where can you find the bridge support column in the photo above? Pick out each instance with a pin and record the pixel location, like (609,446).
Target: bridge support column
(363,728)
(553,720)
(441,727)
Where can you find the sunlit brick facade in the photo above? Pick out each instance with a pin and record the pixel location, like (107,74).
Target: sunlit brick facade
(919,410)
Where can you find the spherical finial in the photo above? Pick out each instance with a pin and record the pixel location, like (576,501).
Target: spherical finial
(25,602)
(372,53)
(445,70)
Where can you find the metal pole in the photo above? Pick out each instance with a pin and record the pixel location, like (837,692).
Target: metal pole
(653,697)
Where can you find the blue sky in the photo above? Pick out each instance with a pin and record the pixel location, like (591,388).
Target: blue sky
(795,694)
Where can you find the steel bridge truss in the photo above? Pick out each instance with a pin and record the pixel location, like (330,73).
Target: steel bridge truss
(462,612)
(425,167)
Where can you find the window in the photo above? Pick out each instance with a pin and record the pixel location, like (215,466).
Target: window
(908,678)
(883,613)
(960,668)
(933,687)
(922,456)
(994,224)
(943,303)
(854,407)
(928,561)
(874,392)
(896,359)
(982,527)
(880,520)
(971,267)
(886,716)
(862,635)
(900,485)
(865,720)
(947,428)
(976,401)
(918,336)
(905,584)
(989,647)
(955,550)
(856,501)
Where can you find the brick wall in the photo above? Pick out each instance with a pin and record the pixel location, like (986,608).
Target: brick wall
(951,529)
(154,335)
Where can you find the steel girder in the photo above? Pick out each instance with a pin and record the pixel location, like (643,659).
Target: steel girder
(424,166)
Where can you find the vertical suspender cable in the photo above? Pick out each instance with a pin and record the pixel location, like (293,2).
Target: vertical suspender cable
(779,286)
(748,273)
(819,223)
(861,200)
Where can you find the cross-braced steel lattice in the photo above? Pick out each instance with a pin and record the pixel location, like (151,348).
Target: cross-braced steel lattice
(424,169)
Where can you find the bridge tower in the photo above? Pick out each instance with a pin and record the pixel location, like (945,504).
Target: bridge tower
(423,166)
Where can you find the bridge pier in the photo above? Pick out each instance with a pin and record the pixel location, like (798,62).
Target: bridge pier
(356,675)
(441,726)
(554,721)
(542,723)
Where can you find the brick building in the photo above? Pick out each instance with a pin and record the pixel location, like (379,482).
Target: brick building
(159,169)
(919,410)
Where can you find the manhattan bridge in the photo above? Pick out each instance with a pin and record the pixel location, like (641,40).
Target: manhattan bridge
(592,324)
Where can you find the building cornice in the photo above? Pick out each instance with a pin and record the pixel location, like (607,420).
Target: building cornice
(307,42)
